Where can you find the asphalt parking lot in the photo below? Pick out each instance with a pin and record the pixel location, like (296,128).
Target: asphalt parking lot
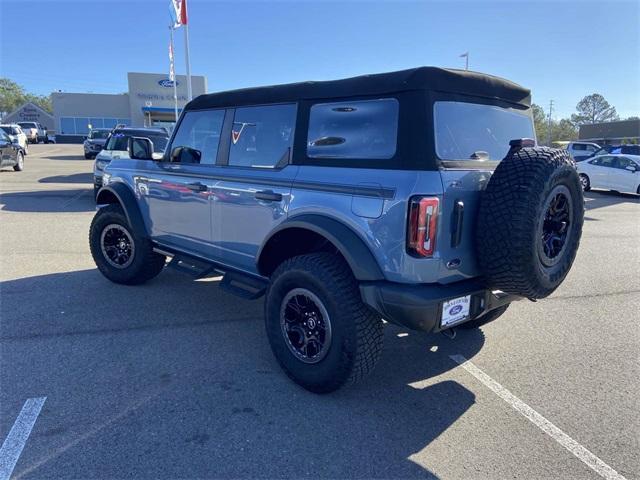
(175,378)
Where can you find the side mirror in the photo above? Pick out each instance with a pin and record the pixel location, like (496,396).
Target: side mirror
(631,168)
(140,148)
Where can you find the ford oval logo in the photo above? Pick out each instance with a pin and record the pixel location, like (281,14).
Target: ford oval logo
(165,82)
(455,310)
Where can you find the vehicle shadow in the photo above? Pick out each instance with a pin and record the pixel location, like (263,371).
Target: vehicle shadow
(604,198)
(51,201)
(73,178)
(67,157)
(178,374)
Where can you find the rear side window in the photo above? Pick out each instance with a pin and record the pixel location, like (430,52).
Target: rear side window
(198,137)
(472,131)
(361,129)
(579,147)
(262,136)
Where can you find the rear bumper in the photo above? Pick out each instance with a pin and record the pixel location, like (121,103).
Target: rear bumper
(419,307)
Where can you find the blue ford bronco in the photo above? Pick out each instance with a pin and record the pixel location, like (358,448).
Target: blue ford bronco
(418,197)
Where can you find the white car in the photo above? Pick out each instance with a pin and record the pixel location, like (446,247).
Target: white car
(582,150)
(611,172)
(35,132)
(16,135)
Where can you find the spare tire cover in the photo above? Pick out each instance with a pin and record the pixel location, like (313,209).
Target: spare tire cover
(530,222)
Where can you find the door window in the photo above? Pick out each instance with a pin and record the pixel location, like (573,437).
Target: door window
(623,162)
(262,136)
(603,161)
(198,137)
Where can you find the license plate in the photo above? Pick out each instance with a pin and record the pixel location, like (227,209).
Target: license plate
(455,310)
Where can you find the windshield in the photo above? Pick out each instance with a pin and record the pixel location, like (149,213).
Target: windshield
(119,141)
(96,134)
(471,131)
(8,130)
(27,125)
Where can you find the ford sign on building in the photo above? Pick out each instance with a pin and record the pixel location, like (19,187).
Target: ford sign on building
(148,102)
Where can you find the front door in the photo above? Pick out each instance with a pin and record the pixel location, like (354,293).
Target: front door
(255,178)
(178,191)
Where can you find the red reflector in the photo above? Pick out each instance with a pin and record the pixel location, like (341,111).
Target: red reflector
(423,220)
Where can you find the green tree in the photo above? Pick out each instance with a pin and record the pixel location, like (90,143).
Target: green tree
(539,123)
(594,109)
(13,95)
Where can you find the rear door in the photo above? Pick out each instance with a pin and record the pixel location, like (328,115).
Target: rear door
(601,172)
(255,177)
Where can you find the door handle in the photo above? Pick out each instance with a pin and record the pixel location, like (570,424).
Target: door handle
(268,195)
(197,187)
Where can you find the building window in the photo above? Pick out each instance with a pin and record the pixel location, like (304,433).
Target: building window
(67,126)
(80,125)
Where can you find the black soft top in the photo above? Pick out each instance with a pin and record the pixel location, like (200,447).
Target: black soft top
(421,78)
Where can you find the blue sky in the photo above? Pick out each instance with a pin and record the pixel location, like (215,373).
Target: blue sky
(561,50)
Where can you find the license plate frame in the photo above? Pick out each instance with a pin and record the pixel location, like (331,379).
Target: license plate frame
(455,311)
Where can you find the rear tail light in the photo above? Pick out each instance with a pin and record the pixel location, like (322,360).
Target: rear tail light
(421,234)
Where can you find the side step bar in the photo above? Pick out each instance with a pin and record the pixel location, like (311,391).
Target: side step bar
(237,283)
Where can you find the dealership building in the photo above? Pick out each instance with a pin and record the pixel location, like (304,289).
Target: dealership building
(148,102)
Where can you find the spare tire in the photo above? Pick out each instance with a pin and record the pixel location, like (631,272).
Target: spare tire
(530,222)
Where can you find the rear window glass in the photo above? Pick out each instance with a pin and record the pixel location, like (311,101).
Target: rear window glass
(98,134)
(471,131)
(361,129)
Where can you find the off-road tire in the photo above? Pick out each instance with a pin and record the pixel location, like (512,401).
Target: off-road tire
(19,166)
(486,318)
(512,213)
(146,263)
(357,331)
(585,182)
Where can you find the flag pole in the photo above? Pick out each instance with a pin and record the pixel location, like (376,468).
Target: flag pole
(175,80)
(186,52)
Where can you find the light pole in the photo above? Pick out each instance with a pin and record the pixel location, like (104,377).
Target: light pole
(466,60)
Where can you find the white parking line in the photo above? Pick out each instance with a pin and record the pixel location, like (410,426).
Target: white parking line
(538,420)
(17,438)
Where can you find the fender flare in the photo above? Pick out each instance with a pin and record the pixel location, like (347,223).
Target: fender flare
(129,204)
(354,250)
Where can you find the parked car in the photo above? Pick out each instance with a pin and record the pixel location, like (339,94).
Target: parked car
(611,172)
(415,196)
(95,142)
(629,149)
(35,132)
(11,154)
(16,135)
(582,150)
(115,147)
